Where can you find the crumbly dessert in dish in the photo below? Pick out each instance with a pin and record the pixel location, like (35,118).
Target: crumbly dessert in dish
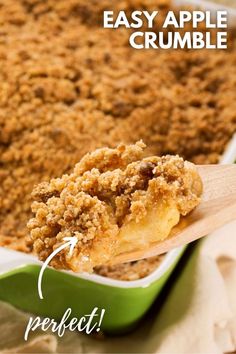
(91,89)
(131,270)
(113,202)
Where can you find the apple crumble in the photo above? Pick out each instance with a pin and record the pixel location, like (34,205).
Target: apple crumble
(114,201)
(91,89)
(131,270)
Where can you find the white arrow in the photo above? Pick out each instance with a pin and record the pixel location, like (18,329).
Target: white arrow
(71,242)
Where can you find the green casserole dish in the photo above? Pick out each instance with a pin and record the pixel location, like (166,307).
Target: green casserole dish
(124,302)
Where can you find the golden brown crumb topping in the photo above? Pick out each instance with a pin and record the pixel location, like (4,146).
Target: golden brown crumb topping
(108,189)
(90,89)
(131,270)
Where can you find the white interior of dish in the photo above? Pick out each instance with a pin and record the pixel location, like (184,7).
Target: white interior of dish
(10,260)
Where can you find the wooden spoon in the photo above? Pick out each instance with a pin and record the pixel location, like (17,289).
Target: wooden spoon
(217,208)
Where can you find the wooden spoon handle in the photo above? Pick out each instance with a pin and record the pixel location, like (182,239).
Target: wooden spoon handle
(218,180)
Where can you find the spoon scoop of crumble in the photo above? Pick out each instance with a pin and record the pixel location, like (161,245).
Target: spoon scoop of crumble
(217,208)
(116,202)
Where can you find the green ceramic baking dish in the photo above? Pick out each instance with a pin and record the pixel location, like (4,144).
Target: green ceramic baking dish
(125,302)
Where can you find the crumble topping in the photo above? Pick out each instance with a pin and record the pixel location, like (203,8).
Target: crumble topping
(131,270)
(108,189)
(86,91)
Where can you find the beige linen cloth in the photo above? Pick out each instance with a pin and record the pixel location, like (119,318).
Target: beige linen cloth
(198,316)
